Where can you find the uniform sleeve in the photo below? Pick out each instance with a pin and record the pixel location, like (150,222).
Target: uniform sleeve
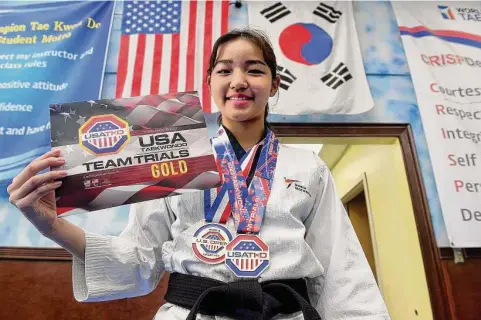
(347,289)
(127,265)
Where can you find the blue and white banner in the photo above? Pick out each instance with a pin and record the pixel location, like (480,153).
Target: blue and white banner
(49,53)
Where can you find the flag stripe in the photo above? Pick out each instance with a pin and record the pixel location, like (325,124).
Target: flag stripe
(191,47)
(138,66)
(280,16)
(338,83)
(273,13)
(290,74)
(344,70)
(326,77)
(166,63)
(271,7)
(207,49)
(184,43)
(216,26)
(340,65)
(130,62)
(148,64)
(332,81)
(199,62)
(155,80)
(123,64)
(221,26)
(320,14)
(174,71)
(286,78)
(333,11)
(225,17)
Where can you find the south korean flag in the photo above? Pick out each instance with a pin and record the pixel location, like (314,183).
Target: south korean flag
(319,58)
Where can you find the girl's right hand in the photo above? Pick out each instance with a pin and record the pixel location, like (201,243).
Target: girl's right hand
(33,194)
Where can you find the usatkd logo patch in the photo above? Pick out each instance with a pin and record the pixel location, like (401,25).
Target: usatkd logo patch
(104,134)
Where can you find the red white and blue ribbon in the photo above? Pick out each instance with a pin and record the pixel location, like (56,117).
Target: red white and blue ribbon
(248,203)
(210,240)
(220,209)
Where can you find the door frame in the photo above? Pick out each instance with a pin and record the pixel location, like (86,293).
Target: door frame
(360,185)
(438,292)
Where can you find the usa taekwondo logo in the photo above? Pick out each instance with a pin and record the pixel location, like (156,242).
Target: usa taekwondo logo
(104,134)
(247,256)
(209,243)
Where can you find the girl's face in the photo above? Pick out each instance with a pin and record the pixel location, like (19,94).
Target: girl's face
(241,82)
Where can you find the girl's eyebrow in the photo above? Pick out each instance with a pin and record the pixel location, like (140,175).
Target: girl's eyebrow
(251,62)
(226,61)
(248,62)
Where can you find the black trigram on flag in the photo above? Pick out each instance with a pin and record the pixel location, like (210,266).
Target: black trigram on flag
(287,78)
(275,12)
(327,12)
(337,77)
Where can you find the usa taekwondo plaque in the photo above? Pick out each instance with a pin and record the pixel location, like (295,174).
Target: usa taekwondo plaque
(123,151)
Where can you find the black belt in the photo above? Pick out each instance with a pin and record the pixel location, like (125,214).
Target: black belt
(245,299)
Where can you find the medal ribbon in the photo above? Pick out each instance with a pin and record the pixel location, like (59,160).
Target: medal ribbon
(220,210)
(249,204)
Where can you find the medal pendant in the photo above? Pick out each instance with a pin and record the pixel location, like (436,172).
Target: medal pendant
(209,243)
(247,256)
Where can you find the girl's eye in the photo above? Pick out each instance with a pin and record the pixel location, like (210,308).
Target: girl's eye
(223,71)
(256,71)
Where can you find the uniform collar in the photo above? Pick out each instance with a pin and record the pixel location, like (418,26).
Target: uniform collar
(236,146)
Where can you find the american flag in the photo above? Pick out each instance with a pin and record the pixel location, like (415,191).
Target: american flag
(165,46)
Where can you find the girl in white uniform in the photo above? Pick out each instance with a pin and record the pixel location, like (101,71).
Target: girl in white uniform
(283,249)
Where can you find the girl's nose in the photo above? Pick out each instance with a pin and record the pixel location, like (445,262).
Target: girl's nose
(238,81)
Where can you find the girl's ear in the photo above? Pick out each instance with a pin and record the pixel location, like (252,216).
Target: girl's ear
(275,85)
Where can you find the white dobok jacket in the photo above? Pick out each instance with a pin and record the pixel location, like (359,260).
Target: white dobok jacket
(305,226)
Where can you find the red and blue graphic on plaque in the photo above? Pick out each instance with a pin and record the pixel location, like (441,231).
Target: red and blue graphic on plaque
(247,256)
(251,257)
(103,135)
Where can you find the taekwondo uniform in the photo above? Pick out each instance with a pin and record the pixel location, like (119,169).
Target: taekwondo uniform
(307,231)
